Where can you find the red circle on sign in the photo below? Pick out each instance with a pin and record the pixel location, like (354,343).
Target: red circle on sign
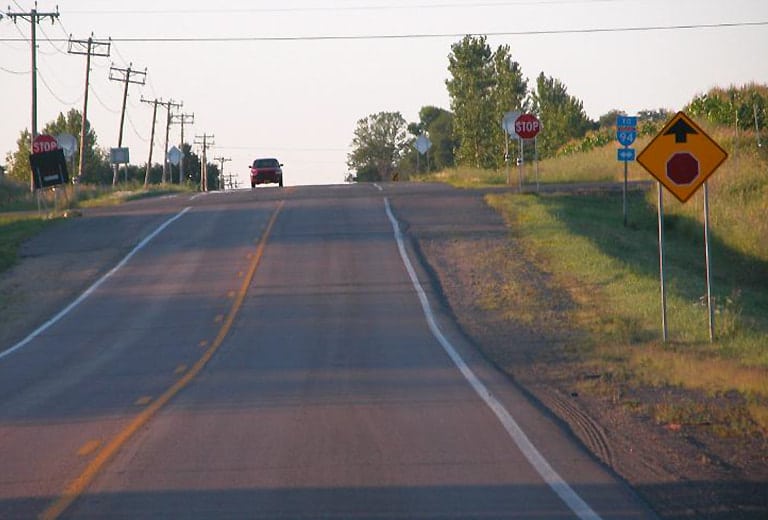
(44,143)
(682,168)
(527,126)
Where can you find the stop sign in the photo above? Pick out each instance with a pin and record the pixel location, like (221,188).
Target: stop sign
(527,126)
(44,143)
(682,168)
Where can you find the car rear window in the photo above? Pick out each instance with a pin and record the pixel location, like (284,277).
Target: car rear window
(266,163)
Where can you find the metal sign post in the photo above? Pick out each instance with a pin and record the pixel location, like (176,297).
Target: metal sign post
(626,133)
(708,258)
(664,328)
(681,157)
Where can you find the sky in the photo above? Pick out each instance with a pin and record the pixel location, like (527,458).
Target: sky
(291,78)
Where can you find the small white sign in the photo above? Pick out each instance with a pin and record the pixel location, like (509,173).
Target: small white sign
(508,123)
(174,156)
(422,144)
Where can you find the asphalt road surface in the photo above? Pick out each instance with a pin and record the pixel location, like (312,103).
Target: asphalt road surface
(278,354)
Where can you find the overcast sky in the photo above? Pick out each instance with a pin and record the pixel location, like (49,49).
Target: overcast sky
(274,85)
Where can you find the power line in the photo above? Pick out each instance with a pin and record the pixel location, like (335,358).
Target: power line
(453,5)
(535,32)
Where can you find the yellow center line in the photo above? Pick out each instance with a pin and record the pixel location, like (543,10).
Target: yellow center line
(180,369)
(78,486)
(88,448)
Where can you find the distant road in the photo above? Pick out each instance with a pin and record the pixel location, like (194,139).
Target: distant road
(279,354)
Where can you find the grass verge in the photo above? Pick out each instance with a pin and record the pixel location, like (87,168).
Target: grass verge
(14,230)
(611,274)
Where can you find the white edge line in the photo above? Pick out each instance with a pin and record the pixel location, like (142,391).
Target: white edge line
(80,299)
(377,186)
(534,457)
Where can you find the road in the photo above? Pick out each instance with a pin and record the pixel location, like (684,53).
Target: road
(278,354)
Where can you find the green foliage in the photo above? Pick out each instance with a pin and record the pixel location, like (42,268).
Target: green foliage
(483,85)
(18,161)
(378,146)
(743,107)
(437,124)
(97,169)
(562,115)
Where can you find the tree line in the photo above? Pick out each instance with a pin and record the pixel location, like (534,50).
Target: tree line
(98,169)
(483,85)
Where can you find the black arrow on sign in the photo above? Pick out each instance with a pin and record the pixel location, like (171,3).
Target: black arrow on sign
(680,130)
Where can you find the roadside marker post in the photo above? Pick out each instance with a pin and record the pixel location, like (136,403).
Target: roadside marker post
(626,133)
(682,157)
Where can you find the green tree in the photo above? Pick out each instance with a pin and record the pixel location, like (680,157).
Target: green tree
(562,115)
(97,169)
(483,86)
(437,124)
(509,94)
(18,162)
(96,163)
(470,88)
(378,146)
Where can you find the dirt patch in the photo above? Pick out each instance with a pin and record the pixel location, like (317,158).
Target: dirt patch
(686,470)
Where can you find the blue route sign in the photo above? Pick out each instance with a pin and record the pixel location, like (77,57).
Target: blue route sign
(626,137)
(626,121)
(626,154)
(626,129)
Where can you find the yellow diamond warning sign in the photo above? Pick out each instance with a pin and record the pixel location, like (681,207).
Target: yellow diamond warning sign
(682,156)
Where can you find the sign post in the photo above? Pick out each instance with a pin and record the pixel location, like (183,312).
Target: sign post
(527,126)
(508,124)
(682,157)
(422,145)
(626,133)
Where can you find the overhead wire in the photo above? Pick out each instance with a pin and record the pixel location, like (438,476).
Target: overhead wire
(50,90)
(531,32)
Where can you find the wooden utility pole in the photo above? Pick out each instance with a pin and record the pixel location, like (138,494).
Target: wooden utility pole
(182,119)
(222,160)
(89,47)
(151,139)
(168,105)
(125,76)
(33,17)
(205,141)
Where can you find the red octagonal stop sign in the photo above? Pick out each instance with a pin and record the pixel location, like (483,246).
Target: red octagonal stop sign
(682,168)
(44,143)
(527,126)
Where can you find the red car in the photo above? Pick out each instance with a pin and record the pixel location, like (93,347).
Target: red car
(265,171)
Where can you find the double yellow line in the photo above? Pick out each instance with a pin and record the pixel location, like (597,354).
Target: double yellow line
(78,486)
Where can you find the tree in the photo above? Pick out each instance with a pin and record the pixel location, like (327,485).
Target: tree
(18,162)
(378,146)
(96,163)
(437,124)
(470,88)
(509,94)
(97,169)
(562,115)
(484,85)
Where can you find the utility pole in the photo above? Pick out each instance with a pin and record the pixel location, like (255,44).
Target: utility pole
(222,160)
(182,119)
(89,47)
(168,105)
(33,17)
(205,141)
(151,139)
(124,76)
